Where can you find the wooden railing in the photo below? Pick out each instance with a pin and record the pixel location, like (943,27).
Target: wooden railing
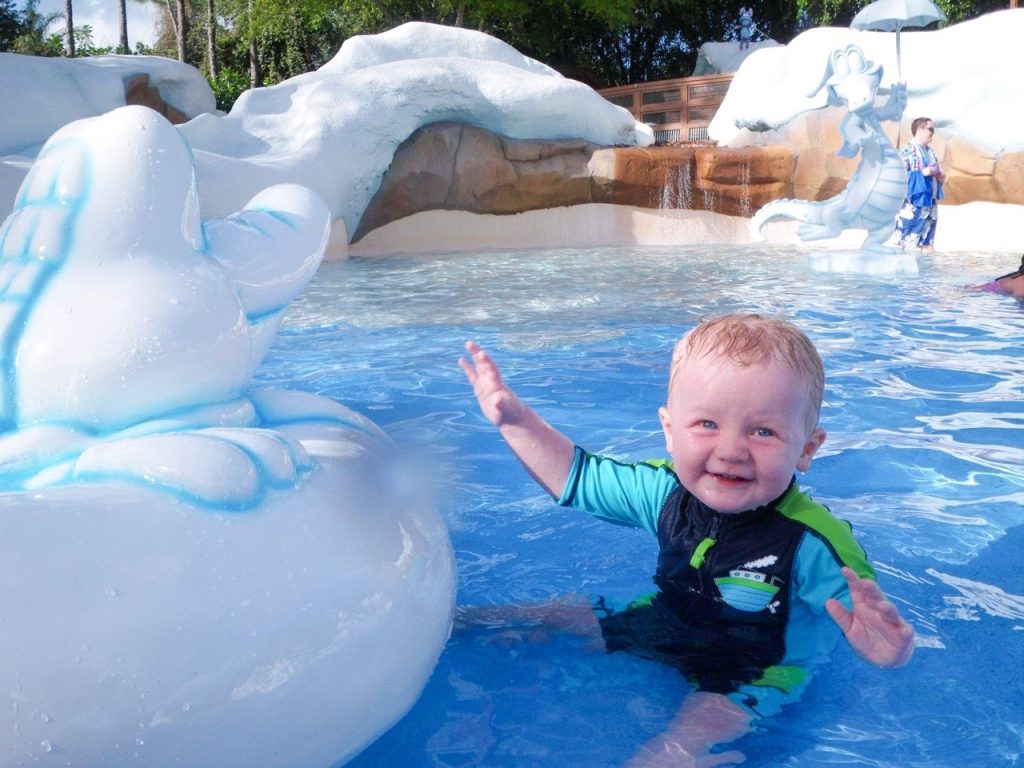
(678,110)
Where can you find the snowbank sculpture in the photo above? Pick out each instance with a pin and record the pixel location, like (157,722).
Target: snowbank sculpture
(193,569)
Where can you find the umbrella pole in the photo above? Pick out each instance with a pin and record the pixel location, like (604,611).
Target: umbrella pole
(899,79)
(899,67)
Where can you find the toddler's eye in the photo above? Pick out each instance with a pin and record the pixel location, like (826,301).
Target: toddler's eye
(764,432)
(708,424)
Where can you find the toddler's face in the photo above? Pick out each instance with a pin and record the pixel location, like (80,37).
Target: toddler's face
(737,434)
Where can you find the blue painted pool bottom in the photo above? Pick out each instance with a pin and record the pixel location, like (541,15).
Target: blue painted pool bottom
(924,413)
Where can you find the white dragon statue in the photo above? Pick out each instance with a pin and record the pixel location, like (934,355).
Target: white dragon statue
(876,191)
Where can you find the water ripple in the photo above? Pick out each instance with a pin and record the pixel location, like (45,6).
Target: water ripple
(924,406)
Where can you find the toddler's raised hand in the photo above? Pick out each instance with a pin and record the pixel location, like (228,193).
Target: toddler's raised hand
(498,403)
(874,628)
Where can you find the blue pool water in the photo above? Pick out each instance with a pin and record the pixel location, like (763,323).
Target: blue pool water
(925,414)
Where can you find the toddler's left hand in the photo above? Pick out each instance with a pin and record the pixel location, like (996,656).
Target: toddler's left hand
(874,628)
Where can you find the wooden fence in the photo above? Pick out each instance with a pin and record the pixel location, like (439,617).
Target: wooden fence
(678,110)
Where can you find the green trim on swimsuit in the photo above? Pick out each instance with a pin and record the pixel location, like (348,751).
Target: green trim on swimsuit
(642,601)
(837,533)
(784,678)
(658,463)
(798,506)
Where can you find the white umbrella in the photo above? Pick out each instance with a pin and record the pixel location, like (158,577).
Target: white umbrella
(893,16)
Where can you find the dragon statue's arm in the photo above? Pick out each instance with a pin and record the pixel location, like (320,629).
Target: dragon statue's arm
(897,103)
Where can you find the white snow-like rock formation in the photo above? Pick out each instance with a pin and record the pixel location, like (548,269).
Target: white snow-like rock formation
(965,77)
(337,129)
(194,569)
(44,94)
(720,58)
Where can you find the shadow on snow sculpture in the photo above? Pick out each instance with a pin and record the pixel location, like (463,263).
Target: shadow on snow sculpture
(129,329)
(875,193)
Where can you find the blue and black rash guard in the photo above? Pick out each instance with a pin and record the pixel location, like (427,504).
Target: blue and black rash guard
(757,581)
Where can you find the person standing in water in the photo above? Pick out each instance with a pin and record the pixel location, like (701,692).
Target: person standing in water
(919,216)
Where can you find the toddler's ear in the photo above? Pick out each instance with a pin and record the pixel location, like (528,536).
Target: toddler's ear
(666,427)
(814,441)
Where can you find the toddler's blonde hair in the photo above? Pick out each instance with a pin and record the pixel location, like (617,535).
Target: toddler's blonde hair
(750,339)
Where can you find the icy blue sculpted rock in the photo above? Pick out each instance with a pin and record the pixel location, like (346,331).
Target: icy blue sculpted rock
(195,569)
(126,319)
(875,193)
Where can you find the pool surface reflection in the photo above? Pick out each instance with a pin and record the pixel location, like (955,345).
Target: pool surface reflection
(924,411)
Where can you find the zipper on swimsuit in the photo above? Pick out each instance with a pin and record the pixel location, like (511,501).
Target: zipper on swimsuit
(700,552)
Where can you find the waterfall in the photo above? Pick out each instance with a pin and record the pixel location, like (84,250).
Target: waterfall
(745,207)
(677,191)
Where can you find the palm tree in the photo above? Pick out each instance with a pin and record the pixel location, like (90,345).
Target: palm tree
(32,38)
(211,38)
(255,71)
(124,24)
(10,26)
(179,20)
(69,30)
(122,18)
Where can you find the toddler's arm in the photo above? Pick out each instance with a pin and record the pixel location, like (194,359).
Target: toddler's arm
(874,628)
(546,453)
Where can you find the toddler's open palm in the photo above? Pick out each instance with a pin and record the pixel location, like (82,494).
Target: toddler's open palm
(498,403)
(874,628)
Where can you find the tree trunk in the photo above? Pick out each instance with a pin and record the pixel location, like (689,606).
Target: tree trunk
(182,31)
(69,30)
(255,73)
(122,46)
(211,39)
(174,19)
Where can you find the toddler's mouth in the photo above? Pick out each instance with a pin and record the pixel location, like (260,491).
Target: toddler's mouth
(728,478)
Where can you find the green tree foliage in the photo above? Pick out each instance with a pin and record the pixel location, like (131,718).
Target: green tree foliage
(839,13)
(10,24)
(84,45)
(228,85)
(33,35)
(28,32)
(600,42)
(651,40)
(828,13)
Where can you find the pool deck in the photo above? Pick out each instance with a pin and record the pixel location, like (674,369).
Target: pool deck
(975,227)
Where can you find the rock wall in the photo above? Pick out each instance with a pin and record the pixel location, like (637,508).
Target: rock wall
(137,90)
(973,174)
(454,166)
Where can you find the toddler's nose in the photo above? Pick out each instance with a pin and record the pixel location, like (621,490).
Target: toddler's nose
(731,447)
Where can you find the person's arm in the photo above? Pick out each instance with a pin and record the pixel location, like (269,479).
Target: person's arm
(546,453)
(1015,287)
(874,628)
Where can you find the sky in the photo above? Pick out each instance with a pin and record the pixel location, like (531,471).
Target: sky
(101,15)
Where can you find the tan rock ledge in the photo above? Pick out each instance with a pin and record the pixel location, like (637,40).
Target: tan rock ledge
(500,192)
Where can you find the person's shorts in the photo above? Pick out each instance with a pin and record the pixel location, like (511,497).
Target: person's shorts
(640,630)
